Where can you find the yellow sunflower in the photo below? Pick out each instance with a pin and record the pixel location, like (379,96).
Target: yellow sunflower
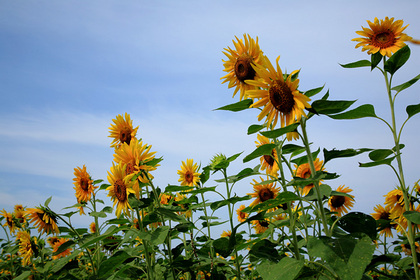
(83,184)
(122,130)
(57,245)
(304,171)
(395,200)
(137,158)
(165,198)
(385,36)
(260,226)
(92,227)
(188,212)
(279,96)
(121,187)
(263,192)
(269,163)
(382,213)
(52,240)
(10,223)
(226,233)
(242,216)
(401,221)
(188,173)
(341,204)
(27,246)
(239,66)
(43,219)
(19,214)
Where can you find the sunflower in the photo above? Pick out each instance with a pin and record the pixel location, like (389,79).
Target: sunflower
(269,163)
(239,66)
(279,96)
(165,198)
(19,214)
(382,213)
(52,240)
(185,206)
(263,192)
(395,200)
(406,248)
(138,159)
(10,223)
(27,246)
(122,131)
(57,245)
(188,175)
(339,203)
(242,216)
(304,171)
(385,36)
(92,227)
(402,222)
(44,219)
(83,184)
(226,233)
(260,226)
(121,187)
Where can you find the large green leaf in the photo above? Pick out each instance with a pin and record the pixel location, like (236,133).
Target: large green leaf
(412,216)
(272,203)
(255,128)
(238,106)
(360,63)
(362,111)
(218,204)
(332,154)
(222,247)
(326,107)
(109,265)
(347,256)
(285,269)
(172,188)
(313,91)
(265,249)
(412,110)
(375,59)
(397,60)
(386,161)
(159,235)
(357,222)
(406,84)
(280,131)
(262,150)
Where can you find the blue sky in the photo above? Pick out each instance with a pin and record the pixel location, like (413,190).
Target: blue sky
(69,67)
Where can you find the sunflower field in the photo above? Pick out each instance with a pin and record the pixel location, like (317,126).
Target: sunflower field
(293,224)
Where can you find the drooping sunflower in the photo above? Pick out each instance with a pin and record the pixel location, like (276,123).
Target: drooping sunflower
(269,163)
(122,130)
(260,226)
(19,214)
(121,187)
(304,171)
(137,157)
(382,213)
(82,184)
(239,66)
(385,36)
(27,246)
(242,216)
(10,223)
(57,245)
(44,219)
(395,200)
(188,175)
(339,203)
(263,192)
(279,96)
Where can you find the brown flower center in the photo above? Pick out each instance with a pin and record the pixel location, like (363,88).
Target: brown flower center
(281,97)
(129,169)
(189,177)
(120,190)
(306,174)
(384,39)
(269,159)
(243,69)
(84,184)
(265,194)
(125,135)
(384,216)
(263,223)
(337,201)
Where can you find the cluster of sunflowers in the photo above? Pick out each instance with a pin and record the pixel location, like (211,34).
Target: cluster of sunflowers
(298,226)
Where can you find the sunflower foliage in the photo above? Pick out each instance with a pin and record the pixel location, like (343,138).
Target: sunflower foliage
(295,222)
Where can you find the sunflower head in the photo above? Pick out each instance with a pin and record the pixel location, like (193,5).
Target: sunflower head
(28,247)
(43,218)
(263,192)
(9,221)
(188,175)
(219,162)
(260,226)
(385,36)
(19,214)
(395,200)
(57,245)
(242,216)
(122,131)
(269,163)
(83,184)
(239,66)
(340,203)
(382,213)
(304,171)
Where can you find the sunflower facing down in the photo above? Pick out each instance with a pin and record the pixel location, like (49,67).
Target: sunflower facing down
(279,96)
(269,163)
(339,203)
(304,171)
(10,223)
(83,184)
(44,219)
(395,200)
(122,131)
(19,214)
(382,213)
(188,175)
(239,65)
(263,192)
(385,36)
(27,246)
(121,187)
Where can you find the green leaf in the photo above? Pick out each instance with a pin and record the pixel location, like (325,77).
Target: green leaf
(376,163)
(218,204)
(412,216)
(262,150)
(107,209)
(325,192)
(265,249)
(280,131)
(200,190)
(326,107)
(272,203)
(97,214)
(24,275)
(109,265)
(360,63)
(222,247)
(159,235)
(304,159)
(171,189)
(286,269)
(104,186)
(381,154)
(47,202)
(170,215)
(312,92)
(412,110)
(238,106)
(292,148)
(406,84)
(255,128)
(357,222)
(93,239)
(64,247)
(347,256)
(397,60)
(363,111)
(375,59)
(332,154)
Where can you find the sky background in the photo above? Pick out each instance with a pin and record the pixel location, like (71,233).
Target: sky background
(69,67)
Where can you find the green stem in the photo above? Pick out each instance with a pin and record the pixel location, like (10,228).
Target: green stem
(97,253)
(150,268)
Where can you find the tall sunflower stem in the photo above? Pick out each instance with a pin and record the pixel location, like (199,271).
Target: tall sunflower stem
(407,202)
(149,265)
(98,256)
(313,171)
